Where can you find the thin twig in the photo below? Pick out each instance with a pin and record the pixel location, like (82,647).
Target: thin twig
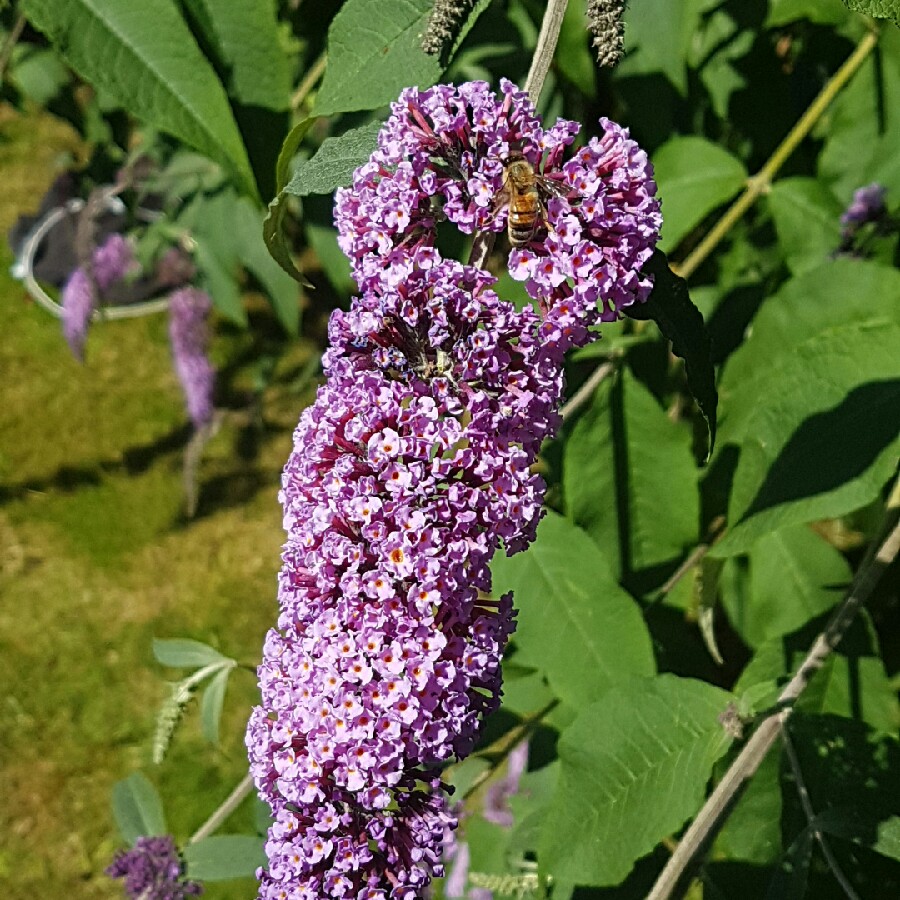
(810,814)
(9,44)
(761,182)
(716,533)
(720,803)
(546,47)
(228,806)
(586,391)
(316,70)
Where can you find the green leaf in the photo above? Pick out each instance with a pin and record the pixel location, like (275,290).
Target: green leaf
(795,575)
(183,653)
(658,34)
(575,623)
(374,51)
(247,224)
(334,162)
(670,306)
(694,177)
(854,687)
(289,149)
(838,292)
(807,220)
(820,12)
(852,779)
(753,830)
(634,767)
(790,880)
(224,856)
(218,277)
(852,683)
(211,705)
(573,56)
(38,73)
(878,9)
(825,440)
(864,828)
(323,240)
(275,240)
(331,167)
(158,75)
(719,52)
(244,38)
(137,808)
(629,478)
(862,126)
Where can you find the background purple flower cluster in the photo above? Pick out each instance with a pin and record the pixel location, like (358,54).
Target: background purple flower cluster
(153,870)
(409,471)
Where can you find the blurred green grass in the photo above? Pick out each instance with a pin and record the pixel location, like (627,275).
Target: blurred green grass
(96,559)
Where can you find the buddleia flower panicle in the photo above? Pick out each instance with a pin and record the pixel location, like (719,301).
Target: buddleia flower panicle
(411,469)
(153,870)
(110,262)
(189,310)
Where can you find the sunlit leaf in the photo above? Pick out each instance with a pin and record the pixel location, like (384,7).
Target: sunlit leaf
(137,808)
(575,624)
(159,74)
(182,653)
(374,51)
(634,767)
(694,176)
(225,856)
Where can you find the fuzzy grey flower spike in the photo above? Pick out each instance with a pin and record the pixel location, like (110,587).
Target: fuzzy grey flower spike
(605,20)
(446,20)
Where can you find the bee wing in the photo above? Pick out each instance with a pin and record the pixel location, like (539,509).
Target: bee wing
(551,188)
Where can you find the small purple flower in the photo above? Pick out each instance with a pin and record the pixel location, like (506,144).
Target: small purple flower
(496,800)
(867,206)
(153,870)
(189,310)
(458,856)
(111,261)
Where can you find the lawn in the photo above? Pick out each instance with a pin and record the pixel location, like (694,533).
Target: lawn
(97,558)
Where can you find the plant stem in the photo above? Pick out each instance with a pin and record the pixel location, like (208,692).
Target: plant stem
(720,803)
(761,182)
(546,47)
(10,43)
(316,70)
(810,814)
(586,391)
(228,806)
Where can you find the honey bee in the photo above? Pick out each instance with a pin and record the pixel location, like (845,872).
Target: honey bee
(524,193)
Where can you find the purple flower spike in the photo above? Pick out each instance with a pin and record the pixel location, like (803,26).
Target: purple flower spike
(189,310)
(153,870)
(111,262)
(412,469)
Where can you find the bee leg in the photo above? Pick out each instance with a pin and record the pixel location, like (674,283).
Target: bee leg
(501,201)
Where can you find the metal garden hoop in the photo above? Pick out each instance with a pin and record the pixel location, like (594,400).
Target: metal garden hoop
(24,268)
